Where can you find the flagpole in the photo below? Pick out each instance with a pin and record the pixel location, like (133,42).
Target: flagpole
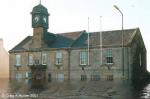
(101,41)
(88,43)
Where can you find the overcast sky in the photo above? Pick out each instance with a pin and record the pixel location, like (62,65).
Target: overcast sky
(72,15)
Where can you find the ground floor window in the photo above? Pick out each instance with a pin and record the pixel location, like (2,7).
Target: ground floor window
(109,56)
(18,76)
(60,77)
(95,77)
(109,60)
(83,77)
(28,75)
(83,58)
(109,77)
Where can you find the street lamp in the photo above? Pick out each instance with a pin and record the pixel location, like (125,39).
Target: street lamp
(122,41)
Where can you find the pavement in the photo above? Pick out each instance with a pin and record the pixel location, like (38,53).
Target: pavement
(70,90)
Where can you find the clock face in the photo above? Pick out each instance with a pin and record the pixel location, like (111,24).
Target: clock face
(36,18)
(44,19)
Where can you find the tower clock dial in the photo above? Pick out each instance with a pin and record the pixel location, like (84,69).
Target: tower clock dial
(44,19)
(36,19)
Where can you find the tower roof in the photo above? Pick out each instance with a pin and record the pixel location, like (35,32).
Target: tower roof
(40,9)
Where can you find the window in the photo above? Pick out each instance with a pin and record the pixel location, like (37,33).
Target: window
(58,58)
(18,76)
(44,59)
(83,58)
(83,77)
(109,77)
(95,77)
(30,59)
(18,60)
(60,77)
(28,74)
(109,57)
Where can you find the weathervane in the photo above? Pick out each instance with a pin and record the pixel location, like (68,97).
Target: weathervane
(40,1)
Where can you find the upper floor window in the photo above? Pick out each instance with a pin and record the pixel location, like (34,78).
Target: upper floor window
(83,58)
(44,59)
(58,58)
(109,57)
(30,59)
(18,60)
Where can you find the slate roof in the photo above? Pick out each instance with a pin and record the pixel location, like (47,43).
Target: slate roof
(80,39)
(72,35)
(111,38)
(40,9)
(64,40)
(22,43)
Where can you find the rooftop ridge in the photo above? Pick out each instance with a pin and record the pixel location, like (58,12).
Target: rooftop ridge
(72,32)
(115,30)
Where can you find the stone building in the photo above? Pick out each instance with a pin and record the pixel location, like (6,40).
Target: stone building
(4,63)
(63,56)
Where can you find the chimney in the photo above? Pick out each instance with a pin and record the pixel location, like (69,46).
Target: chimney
(1,42)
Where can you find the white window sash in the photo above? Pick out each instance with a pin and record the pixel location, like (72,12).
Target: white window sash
(83,58)
(18,76)
(58,58)
(18,60)
(30,59)
(44,59)
(60,77)
(27,74)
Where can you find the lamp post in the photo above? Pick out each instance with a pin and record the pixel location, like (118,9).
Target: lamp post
(122,41)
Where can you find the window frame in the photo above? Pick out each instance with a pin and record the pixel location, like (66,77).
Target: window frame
(60,77)
(30,59)
(83,77)
(28,74)
(83,58)
(18,60)
(109,57)
(58,58)
(18,76)
(44,60)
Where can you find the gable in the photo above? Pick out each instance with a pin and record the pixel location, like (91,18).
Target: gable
(23,45)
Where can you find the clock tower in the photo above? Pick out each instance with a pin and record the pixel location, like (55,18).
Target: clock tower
(40,25)
(40,17)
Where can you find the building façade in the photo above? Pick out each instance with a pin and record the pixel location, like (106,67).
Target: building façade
(66,56)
